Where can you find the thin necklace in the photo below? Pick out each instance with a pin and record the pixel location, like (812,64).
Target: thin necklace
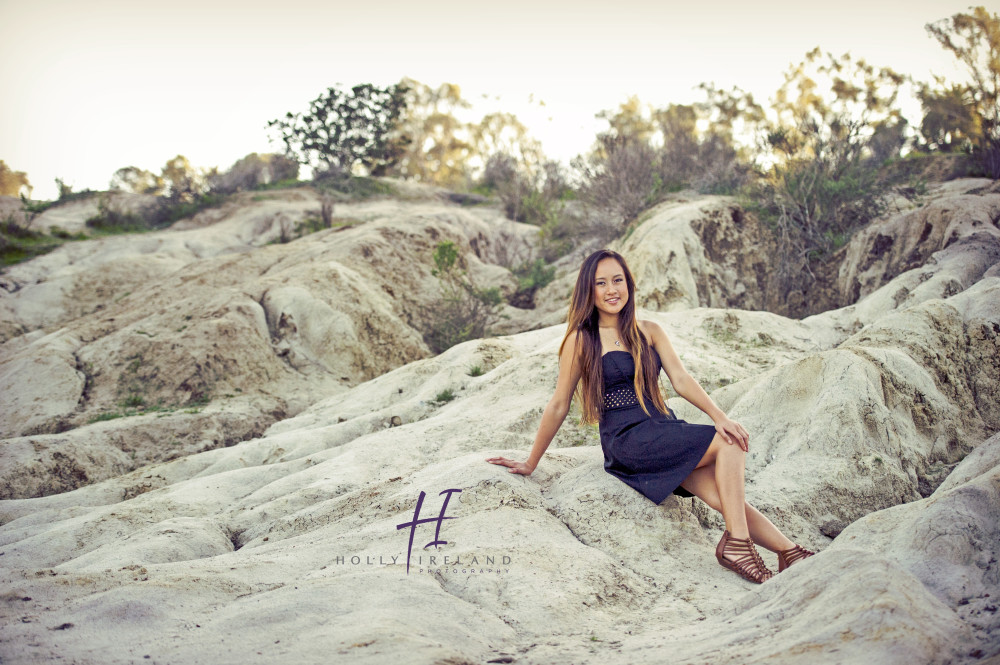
(617,343)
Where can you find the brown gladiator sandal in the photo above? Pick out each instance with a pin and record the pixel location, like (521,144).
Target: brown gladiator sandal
(791,555)
(749,566)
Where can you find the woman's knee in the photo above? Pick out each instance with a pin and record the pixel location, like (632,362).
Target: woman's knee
(732,450)
(716,446)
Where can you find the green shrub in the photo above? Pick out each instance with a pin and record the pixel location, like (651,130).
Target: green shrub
(133,400)
(161,214)
(20,243)
(309,225)
(531,276)
(110,219)
(289,183)
(817,200)
(62,234)
(621,179)
(814,204)
(111,415)
(534,275)
(253,171)
(536,199)
(465,311)
(352,187)
(444,396)
(169,212)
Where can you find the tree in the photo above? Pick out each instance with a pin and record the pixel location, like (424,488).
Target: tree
(836,121)
(134,179)
(950,122)
(839,100)
(730,112)
(699,150)
(501,174)
(501,132)
(183,181)
(678,127)
(343,130)
(832,124)
(646,152)
(629,122)
(252,171)
(620,174)
(726,156)
(431,143)
(975,40)
(887,139)
(12,183)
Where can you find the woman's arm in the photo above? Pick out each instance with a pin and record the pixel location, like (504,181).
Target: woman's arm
(691,390)
(694,393)
(552,420)
(555,410)
(682,382)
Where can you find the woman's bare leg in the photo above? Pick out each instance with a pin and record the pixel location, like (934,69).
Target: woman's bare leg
(702,483)
(729,461)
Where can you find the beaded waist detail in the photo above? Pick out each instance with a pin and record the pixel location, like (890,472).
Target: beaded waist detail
(620,397)
(623,397)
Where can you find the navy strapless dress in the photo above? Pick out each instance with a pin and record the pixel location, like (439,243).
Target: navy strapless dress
(652,454)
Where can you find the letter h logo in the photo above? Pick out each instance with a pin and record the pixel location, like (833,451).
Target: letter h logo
(413,525)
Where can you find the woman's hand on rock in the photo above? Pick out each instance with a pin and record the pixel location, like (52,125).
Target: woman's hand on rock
(515,466)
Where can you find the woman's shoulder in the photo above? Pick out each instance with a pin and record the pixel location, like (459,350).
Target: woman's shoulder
(573,343)
(652,331)
(649,328)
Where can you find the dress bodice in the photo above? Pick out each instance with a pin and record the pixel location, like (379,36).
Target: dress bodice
(619,376)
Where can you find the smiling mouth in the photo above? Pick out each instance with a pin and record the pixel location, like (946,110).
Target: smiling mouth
(612,300)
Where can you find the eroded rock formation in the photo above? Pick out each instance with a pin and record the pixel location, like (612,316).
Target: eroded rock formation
(873,440)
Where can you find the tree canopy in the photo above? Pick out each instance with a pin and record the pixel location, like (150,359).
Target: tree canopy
(970,110)
(342,130)
(12,182)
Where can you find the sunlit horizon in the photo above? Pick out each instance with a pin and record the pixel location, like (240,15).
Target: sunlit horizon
(102,85)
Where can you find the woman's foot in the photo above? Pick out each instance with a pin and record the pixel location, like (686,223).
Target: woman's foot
(740,556)
(792,555)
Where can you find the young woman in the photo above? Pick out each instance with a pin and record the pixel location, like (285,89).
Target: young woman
(616,361)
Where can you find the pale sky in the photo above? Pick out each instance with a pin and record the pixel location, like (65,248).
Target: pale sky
(92,86)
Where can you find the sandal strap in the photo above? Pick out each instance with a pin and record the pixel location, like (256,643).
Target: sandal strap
(791,555)
(749,563)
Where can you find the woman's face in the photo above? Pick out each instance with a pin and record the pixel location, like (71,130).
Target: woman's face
(610,290)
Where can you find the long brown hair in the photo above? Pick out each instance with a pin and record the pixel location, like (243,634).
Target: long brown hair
(583,317)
